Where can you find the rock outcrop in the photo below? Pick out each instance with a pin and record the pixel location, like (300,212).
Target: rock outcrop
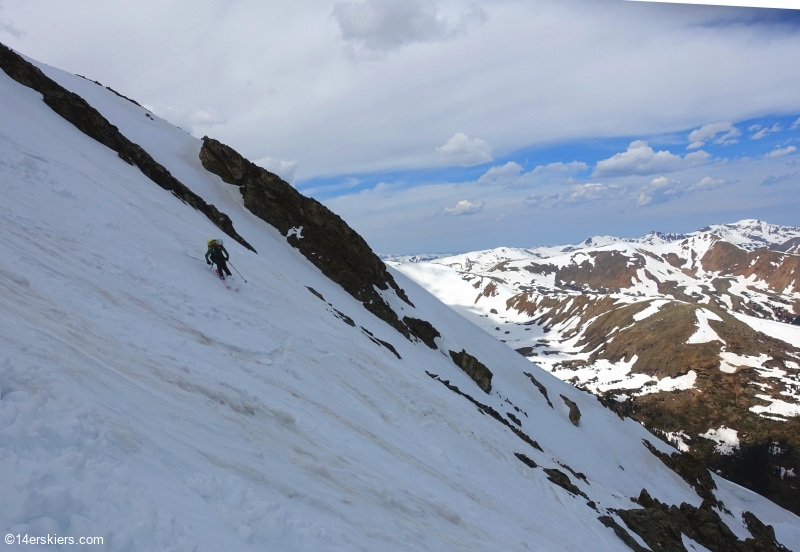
(474,368)
(662,527)
(319,234)
(88,120)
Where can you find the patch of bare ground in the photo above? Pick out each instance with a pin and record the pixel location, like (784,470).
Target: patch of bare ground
(674,260)
(541,269)
(718,398)
(489,291)
(778,270)
(611,270)
(658,341)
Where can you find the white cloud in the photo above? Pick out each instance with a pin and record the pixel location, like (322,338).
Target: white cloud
(541,201)
(464,151)
(286,169)
(383,25)
(641,160)
(573,167)
(501,173)
(511,174)
(465,207)
(796,124)
(764,131)
(778,152)
(709,132)
(660,190)
(663,189)
(708,183)
(591,191)
(194,122)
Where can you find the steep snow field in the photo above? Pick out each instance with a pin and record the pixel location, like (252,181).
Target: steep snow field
(142,401)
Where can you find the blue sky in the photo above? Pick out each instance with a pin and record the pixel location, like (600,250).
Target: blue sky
(624,186)
(756,137)
(455,125)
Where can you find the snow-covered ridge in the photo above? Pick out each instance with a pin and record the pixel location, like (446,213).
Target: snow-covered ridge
(142,401)
(748,234)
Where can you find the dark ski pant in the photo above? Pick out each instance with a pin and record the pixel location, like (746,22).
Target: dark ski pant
(222,268)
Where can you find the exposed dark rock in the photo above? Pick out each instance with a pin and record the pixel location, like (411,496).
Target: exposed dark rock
(624,536)
(123,97)
(474,368)
(574,411)
(542,388)
(692,470)
(557,477)
(422,329)
(577,474)
(661,527)
(514,419)
(381,342)
(344,318)
(760,531)
(527,351)
(622,408)
(525,460)
(387,345)
(489,411)
(315,292)
(88,120)
(317,232)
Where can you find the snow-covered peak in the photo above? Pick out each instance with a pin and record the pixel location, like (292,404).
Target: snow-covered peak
(752,234)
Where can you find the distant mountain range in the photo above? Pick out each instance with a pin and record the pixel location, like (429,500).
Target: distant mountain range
(695,335)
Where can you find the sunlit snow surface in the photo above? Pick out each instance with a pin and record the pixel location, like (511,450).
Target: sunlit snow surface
(142,401)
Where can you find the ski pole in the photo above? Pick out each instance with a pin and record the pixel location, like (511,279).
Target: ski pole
(237,272)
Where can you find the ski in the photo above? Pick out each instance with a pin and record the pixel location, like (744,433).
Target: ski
(225,282)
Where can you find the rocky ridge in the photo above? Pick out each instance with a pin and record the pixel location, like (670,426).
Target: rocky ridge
(88,120)
(318,233)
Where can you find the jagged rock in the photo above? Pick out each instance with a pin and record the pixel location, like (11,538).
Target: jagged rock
(346,319)
(488,410)
(525,460)
(574,411)
(542,389)
(88,120)
(318,233)
(624,536)
(761,532)
(315,292)
(474,368)
(577,474)
(422,329)
(691,469)
(661,527)
(557,477)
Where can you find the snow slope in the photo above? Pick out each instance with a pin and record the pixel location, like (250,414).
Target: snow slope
(142,401)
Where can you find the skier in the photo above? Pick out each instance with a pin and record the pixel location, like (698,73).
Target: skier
(218,255)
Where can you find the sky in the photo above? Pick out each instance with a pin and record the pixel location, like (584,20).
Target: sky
(457,125)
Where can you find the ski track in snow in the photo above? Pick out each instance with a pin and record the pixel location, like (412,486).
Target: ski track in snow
(142,402)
